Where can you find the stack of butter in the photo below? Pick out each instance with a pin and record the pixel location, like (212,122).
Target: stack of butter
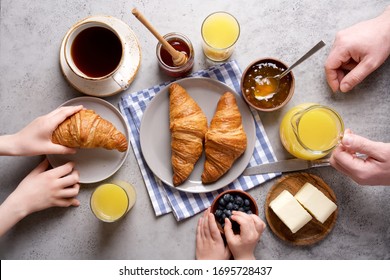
(296,211)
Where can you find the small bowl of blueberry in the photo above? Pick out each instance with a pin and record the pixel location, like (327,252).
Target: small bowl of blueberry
(232,200)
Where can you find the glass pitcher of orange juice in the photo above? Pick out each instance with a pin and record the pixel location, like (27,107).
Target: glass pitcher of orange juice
(310,131)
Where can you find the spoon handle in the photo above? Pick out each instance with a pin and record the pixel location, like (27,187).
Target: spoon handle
(313,50)
(174,53)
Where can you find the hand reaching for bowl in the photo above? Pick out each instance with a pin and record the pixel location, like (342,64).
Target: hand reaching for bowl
(209,242)
(357,51)
(243,245)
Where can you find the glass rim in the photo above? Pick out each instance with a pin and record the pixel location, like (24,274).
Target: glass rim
(105,220)
(296,133)
(235,41)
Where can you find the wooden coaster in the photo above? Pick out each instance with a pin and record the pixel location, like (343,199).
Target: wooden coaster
(313,231)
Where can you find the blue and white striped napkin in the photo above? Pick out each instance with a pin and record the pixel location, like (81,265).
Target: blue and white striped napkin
(166,199)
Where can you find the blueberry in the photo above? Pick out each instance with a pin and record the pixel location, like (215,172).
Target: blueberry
(223,216)
(235,207)
(239,200)
(226,197)
(247,202)
(222,202)
(241,209)
(249,212)
(229,206)
(218,213)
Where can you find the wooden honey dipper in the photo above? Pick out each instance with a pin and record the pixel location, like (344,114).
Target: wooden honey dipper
(179,58)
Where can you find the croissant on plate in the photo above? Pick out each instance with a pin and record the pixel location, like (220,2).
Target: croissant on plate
(86,129)
(188,126)
(225,140)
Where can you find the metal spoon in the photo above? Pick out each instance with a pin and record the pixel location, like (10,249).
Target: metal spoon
(269,86)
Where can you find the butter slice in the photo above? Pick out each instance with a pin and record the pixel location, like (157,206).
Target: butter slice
(288,209)
(315,202)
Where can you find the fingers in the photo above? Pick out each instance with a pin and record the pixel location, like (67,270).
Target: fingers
(62,170)
(206,227)
(229,234)
(66,202)
(241,218)
(259,223)
(70,179)
(199,230)
(356,144)
(333,65)
(355,76)
(61,150)
(214,231)
(60,114)
(40,168)
(70,192)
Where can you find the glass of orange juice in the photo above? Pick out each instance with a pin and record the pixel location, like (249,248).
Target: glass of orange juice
(220,32)
(112,201)
(310,131)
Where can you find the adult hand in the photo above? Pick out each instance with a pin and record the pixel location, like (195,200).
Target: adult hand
(374,170)
(209,242)
(243,245)
(41,189)
(357,51)
(35,138)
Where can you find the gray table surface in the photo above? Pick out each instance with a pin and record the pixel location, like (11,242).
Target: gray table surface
(31,84)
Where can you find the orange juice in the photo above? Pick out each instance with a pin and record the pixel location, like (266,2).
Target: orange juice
(110,202)
(220,31)
(310,131)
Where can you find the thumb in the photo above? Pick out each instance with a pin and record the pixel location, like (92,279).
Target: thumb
(355,76)
(40,168)
(358,144)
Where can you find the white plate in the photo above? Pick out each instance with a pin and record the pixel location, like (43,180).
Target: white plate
(155,136)
(95,165)
(128,70)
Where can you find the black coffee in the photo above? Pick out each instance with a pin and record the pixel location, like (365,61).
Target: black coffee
(96,51)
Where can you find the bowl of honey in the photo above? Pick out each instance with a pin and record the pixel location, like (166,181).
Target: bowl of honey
(180,43)
(257,95)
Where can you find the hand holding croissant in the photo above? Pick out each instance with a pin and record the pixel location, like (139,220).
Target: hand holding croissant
(86,129)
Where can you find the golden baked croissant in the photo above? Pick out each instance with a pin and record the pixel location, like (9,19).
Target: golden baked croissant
(188,126)
(86,129)
(225,140)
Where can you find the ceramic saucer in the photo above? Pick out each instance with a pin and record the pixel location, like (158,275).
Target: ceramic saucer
(128,69)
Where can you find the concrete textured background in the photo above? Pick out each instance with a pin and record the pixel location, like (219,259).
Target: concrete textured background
(31,84)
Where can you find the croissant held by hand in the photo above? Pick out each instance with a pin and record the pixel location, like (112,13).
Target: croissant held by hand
(225,140)
(86,129)
(188,126)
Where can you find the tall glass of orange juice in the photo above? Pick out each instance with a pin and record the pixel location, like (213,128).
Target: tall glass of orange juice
(111,201)
(310,131)
(220,32)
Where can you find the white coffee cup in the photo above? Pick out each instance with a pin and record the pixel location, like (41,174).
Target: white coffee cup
(94,29)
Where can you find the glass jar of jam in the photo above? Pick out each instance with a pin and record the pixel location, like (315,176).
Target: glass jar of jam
(180,43)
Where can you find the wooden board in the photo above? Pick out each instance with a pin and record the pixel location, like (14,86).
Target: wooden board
(313,231)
